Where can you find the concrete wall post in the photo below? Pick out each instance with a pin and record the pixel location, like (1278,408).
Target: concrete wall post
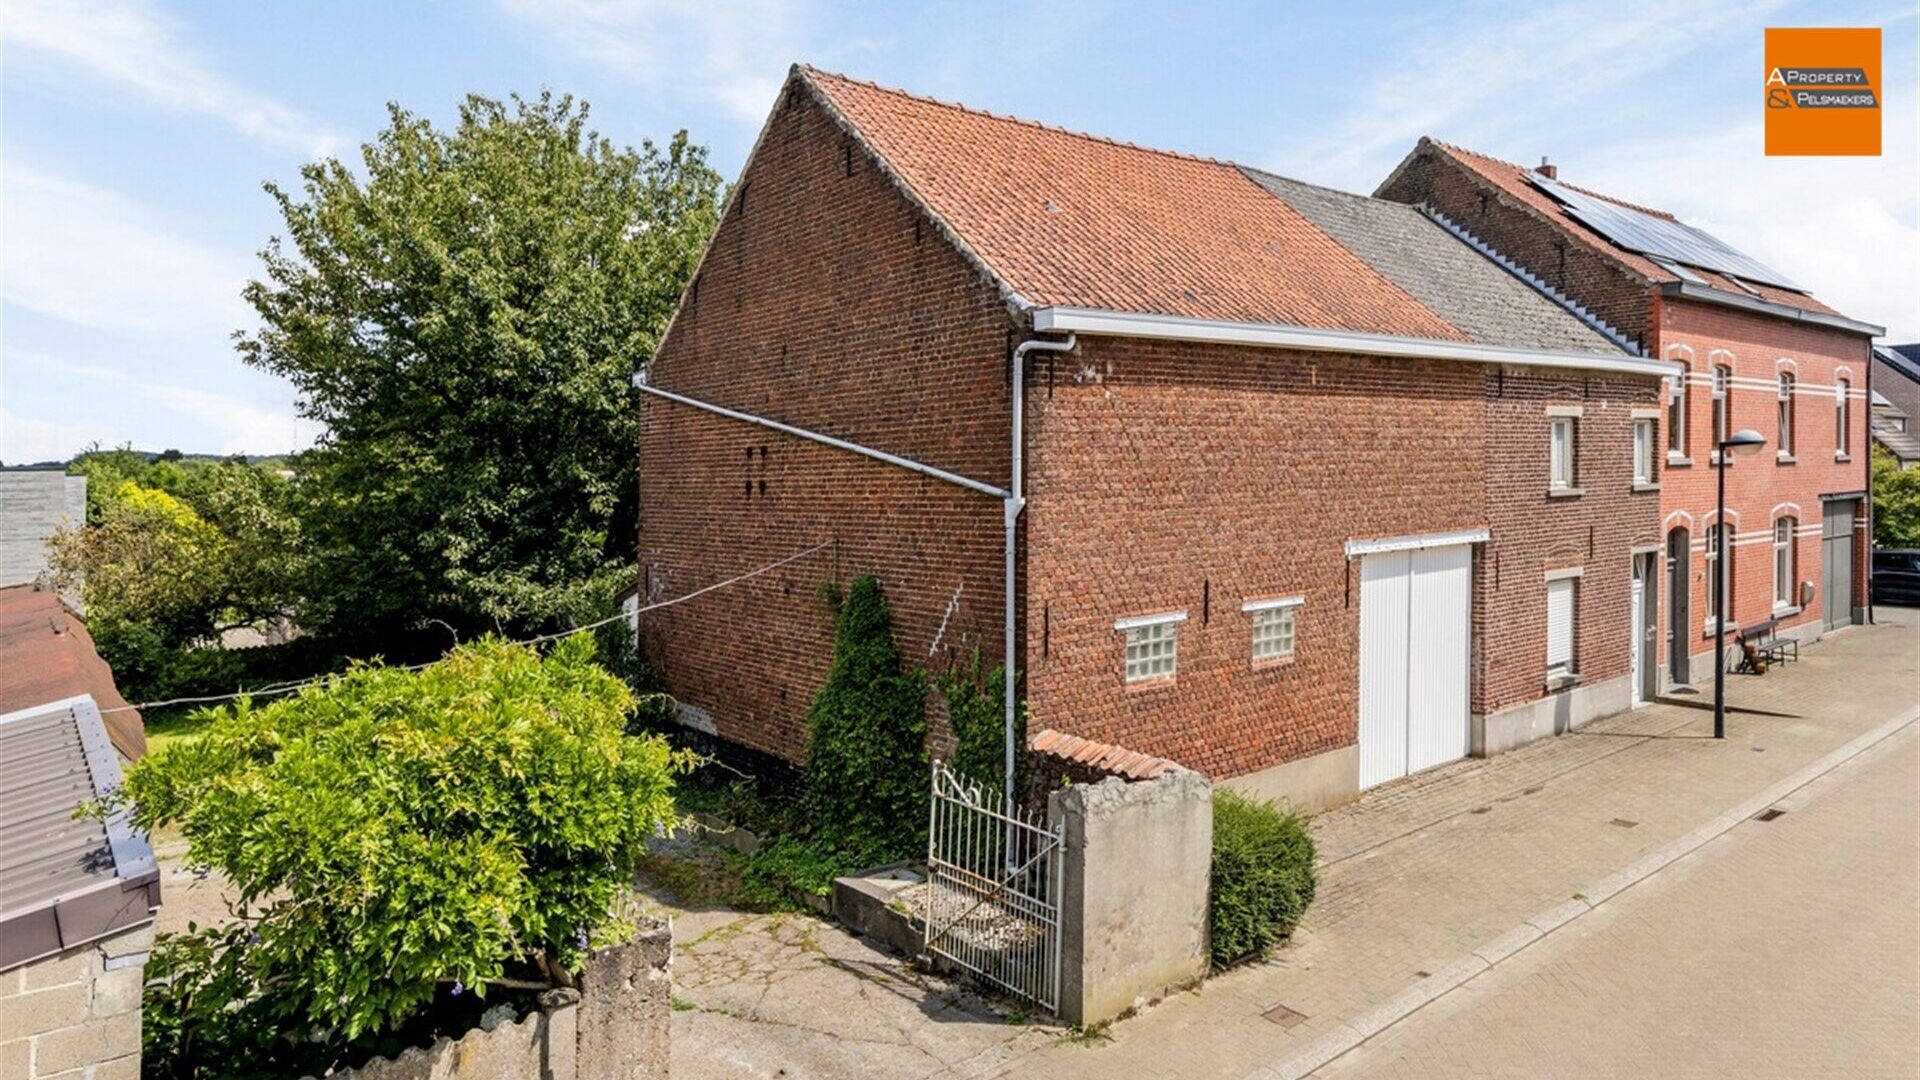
(1136,864)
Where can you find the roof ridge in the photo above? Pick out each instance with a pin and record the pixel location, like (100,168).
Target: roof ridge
(1040,125)
(1371,200)
(1522,169)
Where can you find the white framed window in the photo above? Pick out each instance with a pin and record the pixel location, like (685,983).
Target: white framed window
(1153,644)
(1643,451)
(1786,414)
(1560,452)
(1783,561)
(1677,416)
(1273,627)
(1841,440)
(1719,571)
(1561,596)
(1722,404)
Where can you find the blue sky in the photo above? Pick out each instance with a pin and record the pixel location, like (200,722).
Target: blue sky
(136,135)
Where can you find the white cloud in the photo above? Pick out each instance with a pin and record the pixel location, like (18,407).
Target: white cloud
(215,422)
(28,441)
(132,48)
(1480,80)
(94,258)
(733,52)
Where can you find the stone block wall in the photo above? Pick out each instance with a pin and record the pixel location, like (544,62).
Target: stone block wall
(76,1014)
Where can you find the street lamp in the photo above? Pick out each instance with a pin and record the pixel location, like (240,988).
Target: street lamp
(1742,442)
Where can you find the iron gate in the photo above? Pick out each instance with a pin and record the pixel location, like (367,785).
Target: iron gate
(993,890)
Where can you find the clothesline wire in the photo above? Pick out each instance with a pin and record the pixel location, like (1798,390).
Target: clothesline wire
(287,688)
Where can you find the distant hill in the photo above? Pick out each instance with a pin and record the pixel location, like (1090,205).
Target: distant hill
(271,460)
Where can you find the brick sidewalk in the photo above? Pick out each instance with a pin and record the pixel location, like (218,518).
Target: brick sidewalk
(1419,874)
(1783,948)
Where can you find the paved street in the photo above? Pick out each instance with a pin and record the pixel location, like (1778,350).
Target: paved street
(1785,948)
(1419,877)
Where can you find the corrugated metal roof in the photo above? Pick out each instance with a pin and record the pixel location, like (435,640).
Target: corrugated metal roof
(1440,271)
(64,880)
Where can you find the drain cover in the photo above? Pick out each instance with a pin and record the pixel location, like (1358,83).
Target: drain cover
(1284,1016)
(1769,814)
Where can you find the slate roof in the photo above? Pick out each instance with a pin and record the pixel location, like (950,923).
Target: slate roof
(46,655)
(1072,220)
(1511,180)
(1903,360)
(64,880)
(1486,302)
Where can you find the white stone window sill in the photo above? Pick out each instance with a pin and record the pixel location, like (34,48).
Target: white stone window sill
(1564,493)
(1786,458)
(1783,610)
(1643,485)
(1562,680)
(1706,630)
(1678,461)
(1841,455)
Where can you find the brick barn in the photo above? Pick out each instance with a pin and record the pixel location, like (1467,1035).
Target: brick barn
(1319,494)
(1759,352)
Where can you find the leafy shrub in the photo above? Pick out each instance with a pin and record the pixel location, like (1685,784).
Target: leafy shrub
(866,772)
(977,711)
(403,832)
(1263,876)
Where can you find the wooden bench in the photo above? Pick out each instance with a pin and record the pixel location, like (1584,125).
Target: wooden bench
(1760,648)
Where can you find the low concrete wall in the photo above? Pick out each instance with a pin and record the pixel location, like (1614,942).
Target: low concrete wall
(1307,785)
(615,1025)
(76,1013)
(1555,714)
(1133,918)
(626,1008)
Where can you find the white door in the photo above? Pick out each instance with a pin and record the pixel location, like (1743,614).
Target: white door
(1415,634)
(1640,641)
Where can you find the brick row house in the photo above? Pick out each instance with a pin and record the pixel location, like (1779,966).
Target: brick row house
(1759,353)
(1311,492)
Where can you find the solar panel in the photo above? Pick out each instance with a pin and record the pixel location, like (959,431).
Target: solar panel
(1657,236)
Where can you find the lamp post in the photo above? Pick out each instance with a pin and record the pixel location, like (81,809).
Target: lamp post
(1742,442)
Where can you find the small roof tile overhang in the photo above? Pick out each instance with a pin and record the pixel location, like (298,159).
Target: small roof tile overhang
(1273,335)
(65,879)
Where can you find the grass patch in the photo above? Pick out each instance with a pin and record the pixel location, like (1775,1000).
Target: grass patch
(166,727)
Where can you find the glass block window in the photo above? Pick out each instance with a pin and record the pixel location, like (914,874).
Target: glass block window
(1152,647)
(1273,628)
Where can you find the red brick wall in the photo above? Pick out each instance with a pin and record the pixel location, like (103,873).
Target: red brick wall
(824,301)
(1753,346)
(1166,476)
(1532,533)
(1519,233)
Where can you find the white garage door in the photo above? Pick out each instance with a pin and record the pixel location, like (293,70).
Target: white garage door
(1415,632)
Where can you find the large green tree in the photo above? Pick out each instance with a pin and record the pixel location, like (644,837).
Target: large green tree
(463,314)
(1896,502)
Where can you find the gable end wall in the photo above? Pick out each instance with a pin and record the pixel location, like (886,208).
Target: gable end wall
(825,300)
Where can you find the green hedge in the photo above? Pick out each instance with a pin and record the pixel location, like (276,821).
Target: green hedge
(1263,876)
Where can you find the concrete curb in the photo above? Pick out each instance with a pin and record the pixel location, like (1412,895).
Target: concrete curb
(1337,1042)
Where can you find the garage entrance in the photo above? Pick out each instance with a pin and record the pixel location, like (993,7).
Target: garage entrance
(1416,630)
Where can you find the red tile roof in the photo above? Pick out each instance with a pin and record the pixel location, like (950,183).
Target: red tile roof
(1101,757)
(1072,220)
(1512,181)
(46,655)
